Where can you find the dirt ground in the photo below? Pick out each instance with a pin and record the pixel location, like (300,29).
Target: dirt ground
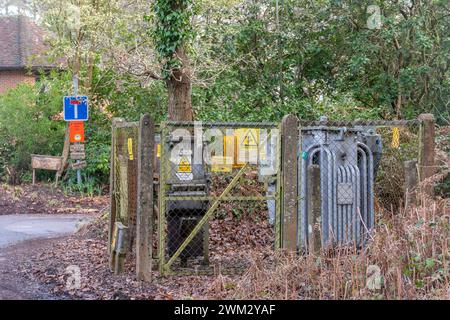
(30,201)
(16,285)
(45,199)
(87,250)
(48,266)
(38,269)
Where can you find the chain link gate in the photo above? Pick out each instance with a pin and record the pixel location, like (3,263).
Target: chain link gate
(123,190)
(219,196)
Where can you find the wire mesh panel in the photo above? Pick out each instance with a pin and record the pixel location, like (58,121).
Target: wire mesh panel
(349,173)
(219,196)
(400,143)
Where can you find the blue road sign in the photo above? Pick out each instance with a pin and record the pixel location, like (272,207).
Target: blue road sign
(76,108)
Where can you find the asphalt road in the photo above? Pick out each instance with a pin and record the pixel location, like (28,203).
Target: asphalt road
(21,227)
(20,236)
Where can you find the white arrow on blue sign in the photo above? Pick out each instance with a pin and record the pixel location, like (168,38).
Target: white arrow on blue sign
(76,108)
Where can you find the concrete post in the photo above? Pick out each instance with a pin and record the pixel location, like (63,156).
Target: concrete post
(289,170)
(411,181)
(426,152)
(314,212)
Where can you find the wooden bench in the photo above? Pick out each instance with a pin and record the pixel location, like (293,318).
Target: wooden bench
(52,163)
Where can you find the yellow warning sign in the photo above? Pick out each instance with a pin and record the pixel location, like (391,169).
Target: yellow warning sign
(247,137)
(130,148)
(395,138)
(242,141)
(230,149)
(184,165)
(221,164)
(250,139)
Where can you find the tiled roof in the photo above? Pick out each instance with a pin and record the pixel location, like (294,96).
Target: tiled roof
(21,44)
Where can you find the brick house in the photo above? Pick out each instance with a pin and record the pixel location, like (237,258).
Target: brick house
(21,51)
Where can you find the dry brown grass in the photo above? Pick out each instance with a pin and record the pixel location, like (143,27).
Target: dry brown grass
(409,248)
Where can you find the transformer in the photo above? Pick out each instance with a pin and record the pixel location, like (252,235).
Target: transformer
(186,178)
(347,159)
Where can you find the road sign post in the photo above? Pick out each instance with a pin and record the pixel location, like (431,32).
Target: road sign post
(76,110)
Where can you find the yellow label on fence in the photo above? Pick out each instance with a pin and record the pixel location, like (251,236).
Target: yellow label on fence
(395,138)
(221,164)
(158,150)
(248,142)
(230,148)
(184,165)
(130,148)
(248,138)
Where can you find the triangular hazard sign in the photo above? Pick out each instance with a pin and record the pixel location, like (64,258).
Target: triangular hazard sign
(250,140)
(184,165)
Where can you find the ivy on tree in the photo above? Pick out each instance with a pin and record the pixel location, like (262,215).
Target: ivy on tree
(172,30)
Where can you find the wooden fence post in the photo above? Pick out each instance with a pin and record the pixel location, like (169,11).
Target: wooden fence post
(112,184)
(426,152)
(411,180)
(144,219)
(314,214)
(289,166)
(64,157)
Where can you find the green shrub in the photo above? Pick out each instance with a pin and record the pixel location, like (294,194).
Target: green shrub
(28,126)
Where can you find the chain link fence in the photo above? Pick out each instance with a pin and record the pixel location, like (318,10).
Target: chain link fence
(225,194)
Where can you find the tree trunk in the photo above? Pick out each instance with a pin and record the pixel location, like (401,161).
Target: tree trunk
(179,89)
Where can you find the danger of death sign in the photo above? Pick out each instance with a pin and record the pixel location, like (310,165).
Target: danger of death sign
(76,131)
